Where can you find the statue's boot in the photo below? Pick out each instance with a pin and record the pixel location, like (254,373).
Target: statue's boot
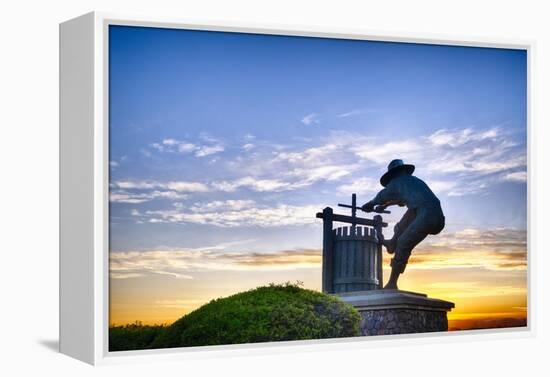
(391,285)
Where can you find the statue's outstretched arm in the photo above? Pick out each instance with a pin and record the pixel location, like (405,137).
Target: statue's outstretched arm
(383,197)
(387,196)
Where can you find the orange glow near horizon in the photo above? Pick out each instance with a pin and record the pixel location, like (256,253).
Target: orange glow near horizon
(487,291)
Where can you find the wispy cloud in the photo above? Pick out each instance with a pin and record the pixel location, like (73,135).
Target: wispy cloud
(296,178)
(498,239)
(493,249)
(182,264)
(456,138)
(179,186)
(381,153)
(173,145)
(350,113)
(206,150)
(309,156)
(276,170)
(361,186)
(170,145)
(136,192)
(279,170)
(458,187)
(354,112)
(476,152)
(518,176)
(122,196)
(216,205)
(234,214)
(115,163)
(309,119)
(260,185)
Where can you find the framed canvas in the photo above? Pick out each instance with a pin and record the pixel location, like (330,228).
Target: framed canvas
(255,188)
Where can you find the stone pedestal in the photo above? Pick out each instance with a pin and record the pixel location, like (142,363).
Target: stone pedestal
(398,312)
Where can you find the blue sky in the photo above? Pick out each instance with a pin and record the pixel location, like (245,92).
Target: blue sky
(248,97)
(231,142)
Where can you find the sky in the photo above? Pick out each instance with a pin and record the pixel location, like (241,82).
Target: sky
(223,146)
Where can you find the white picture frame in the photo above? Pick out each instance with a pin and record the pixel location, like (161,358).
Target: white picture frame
(84,251)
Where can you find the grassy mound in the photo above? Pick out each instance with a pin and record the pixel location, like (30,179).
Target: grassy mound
(265,314)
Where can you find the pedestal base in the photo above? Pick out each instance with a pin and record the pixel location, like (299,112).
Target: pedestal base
(398,312)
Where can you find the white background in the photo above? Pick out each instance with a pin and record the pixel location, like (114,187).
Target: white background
(29,186)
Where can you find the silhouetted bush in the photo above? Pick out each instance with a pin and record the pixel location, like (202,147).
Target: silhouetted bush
(265,314)
(133,337)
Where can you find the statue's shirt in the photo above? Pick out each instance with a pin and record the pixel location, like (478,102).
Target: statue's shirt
(408,190)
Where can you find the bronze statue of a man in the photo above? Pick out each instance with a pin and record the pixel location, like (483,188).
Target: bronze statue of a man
(424,215)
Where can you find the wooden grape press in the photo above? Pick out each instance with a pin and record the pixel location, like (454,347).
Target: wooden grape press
(352,255)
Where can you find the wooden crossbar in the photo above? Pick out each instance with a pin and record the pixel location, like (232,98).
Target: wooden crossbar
(353,220)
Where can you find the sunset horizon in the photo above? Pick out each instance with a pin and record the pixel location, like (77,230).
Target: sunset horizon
(487,309)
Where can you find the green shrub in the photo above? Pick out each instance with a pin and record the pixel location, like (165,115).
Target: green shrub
(265,314)
(132,337)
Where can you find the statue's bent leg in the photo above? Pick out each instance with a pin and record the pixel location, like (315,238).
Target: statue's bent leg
(412,236)
(399,228)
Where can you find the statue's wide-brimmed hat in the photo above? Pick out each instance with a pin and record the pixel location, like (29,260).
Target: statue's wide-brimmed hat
(393,168)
